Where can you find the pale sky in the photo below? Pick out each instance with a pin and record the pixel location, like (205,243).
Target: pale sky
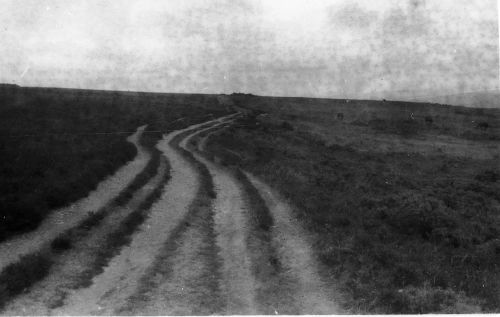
(319,48)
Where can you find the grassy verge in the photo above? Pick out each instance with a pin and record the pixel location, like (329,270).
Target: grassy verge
(398,233)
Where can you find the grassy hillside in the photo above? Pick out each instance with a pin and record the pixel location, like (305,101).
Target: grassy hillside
(399,231)
(50,154)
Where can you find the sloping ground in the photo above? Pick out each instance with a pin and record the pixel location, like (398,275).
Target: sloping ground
(238,284)
(400,233)
(65,218)
(117,283)
(71,269)
(313,296)
(216,241)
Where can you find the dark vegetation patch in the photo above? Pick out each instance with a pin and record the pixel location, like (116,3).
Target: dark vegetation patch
(401,233)
(11,282)
(50,154)
(15,278)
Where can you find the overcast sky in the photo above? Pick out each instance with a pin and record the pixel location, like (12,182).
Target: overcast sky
(321,48)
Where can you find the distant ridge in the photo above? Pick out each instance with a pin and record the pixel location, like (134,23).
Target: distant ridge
(485,99)
(481,99)
(9,86)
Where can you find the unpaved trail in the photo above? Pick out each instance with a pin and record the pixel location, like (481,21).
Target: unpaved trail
(201,250)
(62,219)
(111,289)
(238,284)
(311,294)
(67,271)
(184,279)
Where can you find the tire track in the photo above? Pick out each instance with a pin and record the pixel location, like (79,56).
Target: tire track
(71,269)
(111,289)
(184,278)
(294,249)
(274,288)
(237,284)
(62,219)
(284,266)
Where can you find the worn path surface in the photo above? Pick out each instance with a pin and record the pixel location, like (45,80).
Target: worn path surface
(118,282)
(200,251)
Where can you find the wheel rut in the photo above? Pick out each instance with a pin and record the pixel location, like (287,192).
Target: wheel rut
(310,292)
(74,268)
(237,284)
(111,289)
(217,240)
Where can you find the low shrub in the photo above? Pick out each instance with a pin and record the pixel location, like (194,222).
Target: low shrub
(17,276)
(61,243)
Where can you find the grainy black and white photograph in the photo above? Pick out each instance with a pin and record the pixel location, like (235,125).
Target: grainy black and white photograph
(249,157)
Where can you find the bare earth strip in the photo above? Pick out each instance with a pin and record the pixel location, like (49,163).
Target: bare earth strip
(62,219)
(238,284)
(184,279)
(67,270)
(275,290)
(295,252)
(112,288)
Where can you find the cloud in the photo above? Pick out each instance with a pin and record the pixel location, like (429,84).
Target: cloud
(352,16)
(280,47)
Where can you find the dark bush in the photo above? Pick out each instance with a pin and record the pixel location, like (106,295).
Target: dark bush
(287,126)
(483,125)
(61,243)
(488,176)
(17,276)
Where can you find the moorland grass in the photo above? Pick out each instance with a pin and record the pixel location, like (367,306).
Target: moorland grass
(399,232)
(53,152)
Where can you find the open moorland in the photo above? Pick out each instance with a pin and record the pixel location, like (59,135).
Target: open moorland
(402,199)
(121,203)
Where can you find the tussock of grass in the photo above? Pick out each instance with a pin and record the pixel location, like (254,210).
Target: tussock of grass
(61,243)
(17,277)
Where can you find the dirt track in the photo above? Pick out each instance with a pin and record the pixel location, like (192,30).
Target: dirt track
(196,253)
